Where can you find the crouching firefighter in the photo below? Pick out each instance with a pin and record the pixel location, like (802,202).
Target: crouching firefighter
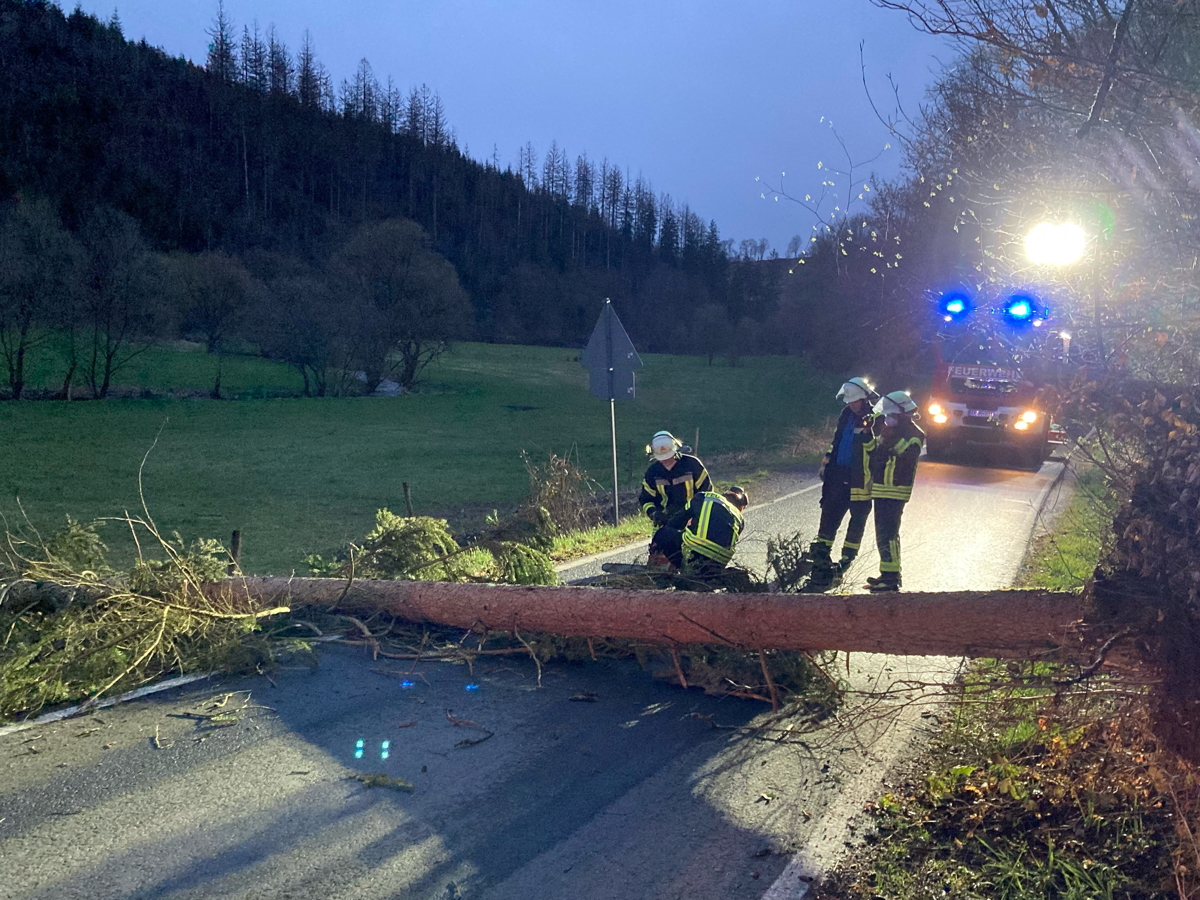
(700,539)
(893,457)
(672,481)
(846,487)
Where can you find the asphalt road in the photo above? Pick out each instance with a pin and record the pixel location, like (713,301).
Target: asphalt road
(966,527)
(631,796)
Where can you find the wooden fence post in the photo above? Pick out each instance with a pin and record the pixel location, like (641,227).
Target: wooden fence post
(235,552)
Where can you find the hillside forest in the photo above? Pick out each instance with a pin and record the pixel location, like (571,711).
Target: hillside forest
(337,227)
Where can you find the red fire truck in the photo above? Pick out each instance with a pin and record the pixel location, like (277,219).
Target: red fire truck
(985,387)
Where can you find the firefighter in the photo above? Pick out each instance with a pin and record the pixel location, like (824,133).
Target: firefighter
(847,485)
(670,484)
(892,456)
(700,539)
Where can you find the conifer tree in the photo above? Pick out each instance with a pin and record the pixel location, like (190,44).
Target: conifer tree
(222,53)
(280,72)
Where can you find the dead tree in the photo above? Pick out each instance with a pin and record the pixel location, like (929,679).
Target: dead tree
(1008,624)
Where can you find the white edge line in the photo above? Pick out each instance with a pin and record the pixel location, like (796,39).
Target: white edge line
(70,711)
(617,551)
(798,870)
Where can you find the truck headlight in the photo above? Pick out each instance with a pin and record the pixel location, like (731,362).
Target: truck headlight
(1021,424)
(940,418)
(935,410)
(1028,417)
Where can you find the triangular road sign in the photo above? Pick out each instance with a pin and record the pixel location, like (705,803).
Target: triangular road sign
(610,358)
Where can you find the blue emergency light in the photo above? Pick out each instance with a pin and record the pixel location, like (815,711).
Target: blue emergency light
(955,306)
(1021,310)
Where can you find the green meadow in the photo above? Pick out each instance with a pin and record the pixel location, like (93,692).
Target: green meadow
(301,475)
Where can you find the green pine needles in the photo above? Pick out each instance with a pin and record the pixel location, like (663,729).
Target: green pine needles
(74,629)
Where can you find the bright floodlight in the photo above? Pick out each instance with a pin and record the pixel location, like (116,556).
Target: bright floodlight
(1055,245)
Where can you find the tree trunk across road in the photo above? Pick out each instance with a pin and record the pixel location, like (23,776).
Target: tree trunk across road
(1007,624)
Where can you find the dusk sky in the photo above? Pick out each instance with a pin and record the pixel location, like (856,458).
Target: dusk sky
(700,97)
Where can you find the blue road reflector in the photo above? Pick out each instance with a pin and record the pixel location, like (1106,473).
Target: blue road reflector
(384,748)
(406,684)
(472,687)
(358,748)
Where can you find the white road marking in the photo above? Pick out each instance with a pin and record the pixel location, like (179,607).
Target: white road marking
(812,862)
(103,704)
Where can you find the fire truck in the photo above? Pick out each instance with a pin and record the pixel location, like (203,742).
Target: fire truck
(989,372)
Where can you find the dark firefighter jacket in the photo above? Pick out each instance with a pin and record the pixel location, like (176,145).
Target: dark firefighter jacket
(858,473)
(664,493)
(711,525)
(893,456)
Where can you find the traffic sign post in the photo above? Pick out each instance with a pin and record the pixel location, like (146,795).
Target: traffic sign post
(611,359)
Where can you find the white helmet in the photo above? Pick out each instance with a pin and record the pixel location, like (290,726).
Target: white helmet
(664,445)
(857,388)
(896,403)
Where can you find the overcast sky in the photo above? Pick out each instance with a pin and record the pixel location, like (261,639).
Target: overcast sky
(700,97)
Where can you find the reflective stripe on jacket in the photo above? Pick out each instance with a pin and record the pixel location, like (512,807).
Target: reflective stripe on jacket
(712,526)
(893,457)
(669,491)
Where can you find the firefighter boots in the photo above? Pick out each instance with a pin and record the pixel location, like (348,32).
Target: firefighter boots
(886,581)
(824,573)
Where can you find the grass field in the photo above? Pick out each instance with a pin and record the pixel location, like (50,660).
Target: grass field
(177,367)
(304,475)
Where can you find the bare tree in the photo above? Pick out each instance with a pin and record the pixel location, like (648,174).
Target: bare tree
(38,265)
(405,297)
(214,294)
(527,165)
(710,330)
(118,295)
(302,323)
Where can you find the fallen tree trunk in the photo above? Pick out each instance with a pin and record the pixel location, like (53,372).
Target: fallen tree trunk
(1011,624)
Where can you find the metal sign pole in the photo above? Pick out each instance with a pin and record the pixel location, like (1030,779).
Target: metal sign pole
(612,412)
(611,359)
(612,404)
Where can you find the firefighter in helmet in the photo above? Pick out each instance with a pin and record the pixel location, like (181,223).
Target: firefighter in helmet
(847,484)
(892,456)
(671,482)
(701,538)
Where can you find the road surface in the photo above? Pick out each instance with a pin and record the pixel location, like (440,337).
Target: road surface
(631,796)
(966,528)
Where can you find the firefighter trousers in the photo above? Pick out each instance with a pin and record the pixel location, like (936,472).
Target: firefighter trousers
(887,534)
(835,503)
(669,542)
